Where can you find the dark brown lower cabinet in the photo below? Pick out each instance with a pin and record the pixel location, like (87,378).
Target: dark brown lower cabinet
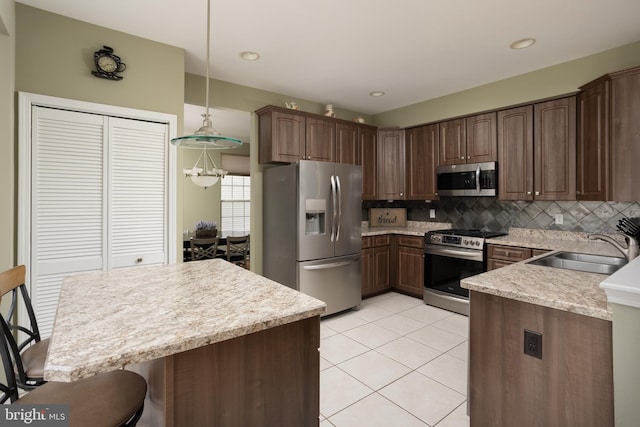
(375,264)
(572,385)
(410,265)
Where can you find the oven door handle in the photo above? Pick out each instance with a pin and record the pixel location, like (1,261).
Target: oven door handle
(470,255)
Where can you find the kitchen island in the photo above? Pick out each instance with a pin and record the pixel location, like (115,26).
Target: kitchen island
(218,345)
(561,371)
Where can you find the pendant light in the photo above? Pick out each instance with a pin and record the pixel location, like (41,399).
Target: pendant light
(207,136)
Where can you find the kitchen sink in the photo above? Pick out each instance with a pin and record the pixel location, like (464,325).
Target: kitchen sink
(582,262)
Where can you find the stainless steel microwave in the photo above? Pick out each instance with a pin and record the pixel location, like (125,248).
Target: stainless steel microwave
(472,179)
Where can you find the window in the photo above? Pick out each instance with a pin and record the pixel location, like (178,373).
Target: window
(235,204)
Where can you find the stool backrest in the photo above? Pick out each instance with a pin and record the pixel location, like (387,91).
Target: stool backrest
(237,246)
(12,282)
(8,347)
(204,248)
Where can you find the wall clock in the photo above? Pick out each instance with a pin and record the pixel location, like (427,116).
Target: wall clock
(108,65)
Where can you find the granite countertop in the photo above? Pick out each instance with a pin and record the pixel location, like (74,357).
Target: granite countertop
(413,228)
(108,320)
(572,291)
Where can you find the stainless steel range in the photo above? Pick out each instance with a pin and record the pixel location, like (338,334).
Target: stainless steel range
(450,256)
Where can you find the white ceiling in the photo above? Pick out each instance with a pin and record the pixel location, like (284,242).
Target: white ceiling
(337,51)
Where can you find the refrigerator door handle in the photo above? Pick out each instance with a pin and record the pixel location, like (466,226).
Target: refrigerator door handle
(339,197)
(334,203)
(330,265)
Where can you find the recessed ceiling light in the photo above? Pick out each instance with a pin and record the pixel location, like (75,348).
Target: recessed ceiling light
(376,93)
(521,44)
(249,56)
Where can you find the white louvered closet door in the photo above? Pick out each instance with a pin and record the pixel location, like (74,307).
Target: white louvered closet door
(67,188)
(99,188)
(138,192)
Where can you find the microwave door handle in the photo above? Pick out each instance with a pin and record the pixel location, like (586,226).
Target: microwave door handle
(333,202)
(339,197)
(478,179)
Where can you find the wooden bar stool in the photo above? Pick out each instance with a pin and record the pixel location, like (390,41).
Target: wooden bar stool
(31,352)
(111,399)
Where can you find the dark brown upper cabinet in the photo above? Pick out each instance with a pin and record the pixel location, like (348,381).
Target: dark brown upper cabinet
(422,158)
(287,136)
(609,137)
(592,146)
(368,137)
(347,144)
(391,164)
(537,151)
(468,140)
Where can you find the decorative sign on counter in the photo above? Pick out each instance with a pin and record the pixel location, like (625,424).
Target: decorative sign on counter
(380,217)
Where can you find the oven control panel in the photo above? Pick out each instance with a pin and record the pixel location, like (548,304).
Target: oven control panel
(458,241)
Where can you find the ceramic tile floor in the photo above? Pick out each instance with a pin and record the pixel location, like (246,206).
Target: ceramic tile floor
(396,362)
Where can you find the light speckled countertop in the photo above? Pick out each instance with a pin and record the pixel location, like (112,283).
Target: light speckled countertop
(108,320)
(572,291)
(413,228)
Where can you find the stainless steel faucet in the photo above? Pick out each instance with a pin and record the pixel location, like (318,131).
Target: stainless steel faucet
(630,252)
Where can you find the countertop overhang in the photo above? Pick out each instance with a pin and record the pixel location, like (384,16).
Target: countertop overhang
(573,291)
(108,320)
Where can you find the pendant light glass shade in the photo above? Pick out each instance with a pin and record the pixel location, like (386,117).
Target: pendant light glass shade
(207,136)
(204,172)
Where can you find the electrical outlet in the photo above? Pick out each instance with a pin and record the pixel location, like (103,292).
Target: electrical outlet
(559,219)
(533,343)
(432,213)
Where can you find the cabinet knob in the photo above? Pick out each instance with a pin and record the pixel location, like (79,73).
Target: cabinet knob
(528,193)
(578,192)
(402,194)
(139,260)
(537,193)
(462,158)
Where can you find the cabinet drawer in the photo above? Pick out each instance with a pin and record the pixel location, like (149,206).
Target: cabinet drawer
(410,241)
(536,252)
(384,240)
(367,242)
(493,264)
(508,253)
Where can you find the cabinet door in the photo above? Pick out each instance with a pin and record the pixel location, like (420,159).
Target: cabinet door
(625,135)
(320,140)
(481,138)
(381,264)
(555,149)
(515,153)
(368,155)
(592,170)
(422,158)
(367,260)
(391,165)
(453,140)
(282,137)
(347,144)
(409,261)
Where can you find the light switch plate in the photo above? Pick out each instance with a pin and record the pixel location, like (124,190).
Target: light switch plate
(432,213)
(559,219)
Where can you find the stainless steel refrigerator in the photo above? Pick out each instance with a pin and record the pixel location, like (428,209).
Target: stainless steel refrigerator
(312,230)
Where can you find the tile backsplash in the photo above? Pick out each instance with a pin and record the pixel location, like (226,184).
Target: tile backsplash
(488,213)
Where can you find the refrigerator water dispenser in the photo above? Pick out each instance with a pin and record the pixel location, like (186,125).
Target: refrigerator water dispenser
(315,210)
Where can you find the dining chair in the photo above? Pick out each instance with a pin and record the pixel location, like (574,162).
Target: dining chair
(111,399)
(30,351)
(204,248)
(237,250)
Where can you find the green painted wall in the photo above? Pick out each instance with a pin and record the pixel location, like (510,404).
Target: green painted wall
(547,82)
(7,139)
(54,56)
